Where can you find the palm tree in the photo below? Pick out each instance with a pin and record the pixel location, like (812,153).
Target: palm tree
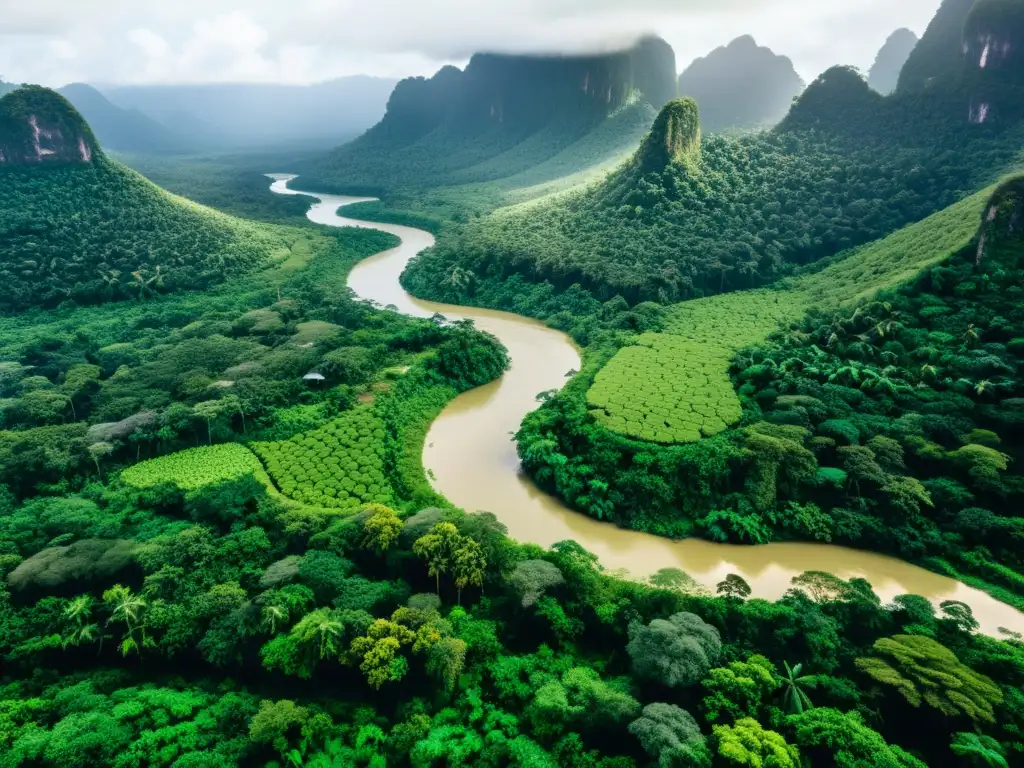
(79,613)
(971,335)
(145,285)
(979,750)
(982,386)
(458,278)
(320,631)
(271,616)
(794,699)
(111,280)
(127,607)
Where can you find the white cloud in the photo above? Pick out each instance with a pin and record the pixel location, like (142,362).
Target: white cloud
(308,40)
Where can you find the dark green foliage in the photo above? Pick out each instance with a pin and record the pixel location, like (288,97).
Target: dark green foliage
(87,561)
(675,652)
(40,127)
(741,86)
(938,56)
(98,232)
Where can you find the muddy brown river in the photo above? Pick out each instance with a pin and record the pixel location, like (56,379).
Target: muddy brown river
(471,457)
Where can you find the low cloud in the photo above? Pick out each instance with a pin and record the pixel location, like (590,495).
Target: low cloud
(55,41)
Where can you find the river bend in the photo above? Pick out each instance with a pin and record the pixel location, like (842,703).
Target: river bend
(472,460)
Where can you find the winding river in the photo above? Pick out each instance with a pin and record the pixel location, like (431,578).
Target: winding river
(472,461)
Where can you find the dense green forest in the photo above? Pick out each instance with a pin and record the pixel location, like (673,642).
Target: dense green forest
(741,214)
(218,544)
(87,230)
(890,423)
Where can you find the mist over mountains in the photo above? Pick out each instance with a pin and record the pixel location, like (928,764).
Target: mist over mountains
(741,86)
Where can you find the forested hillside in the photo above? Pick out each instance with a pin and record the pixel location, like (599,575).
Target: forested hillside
(199,607)
(741,86)
(502,116)
(846,166)
(77,226)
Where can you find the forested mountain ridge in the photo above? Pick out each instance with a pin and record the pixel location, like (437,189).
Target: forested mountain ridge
(885,72)
(243,115)
(120,129)
(846,166)
(469,126)
(741,86)
(75,225)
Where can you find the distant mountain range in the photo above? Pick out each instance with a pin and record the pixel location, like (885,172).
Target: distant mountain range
(741,86)
(167,119)
(249,114)
(885,72)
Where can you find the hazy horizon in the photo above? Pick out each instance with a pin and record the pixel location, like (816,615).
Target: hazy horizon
(309,41)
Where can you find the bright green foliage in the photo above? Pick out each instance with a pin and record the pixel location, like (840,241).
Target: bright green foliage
(378,653)
(275,720)
(195,468)
(671,736)
(829,735)
(923,670)
(739,689)
(747,743)
(339,466)
(979,750)
(674,387)
(583,698)
(381,528)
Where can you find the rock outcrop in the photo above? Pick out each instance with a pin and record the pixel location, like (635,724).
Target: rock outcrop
(674,137)
(40,127)
(517,93)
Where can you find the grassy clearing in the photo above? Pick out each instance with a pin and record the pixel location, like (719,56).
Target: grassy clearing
(674,387)
(197,467)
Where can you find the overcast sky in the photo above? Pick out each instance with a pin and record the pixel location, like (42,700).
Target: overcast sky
(299,41)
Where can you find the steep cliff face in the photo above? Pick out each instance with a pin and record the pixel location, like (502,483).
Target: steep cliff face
(674,137)
(741,85)
(993,50)
(993,39)
(523,93)
(939,55)
(40,127)
(502,115)
(885,72)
